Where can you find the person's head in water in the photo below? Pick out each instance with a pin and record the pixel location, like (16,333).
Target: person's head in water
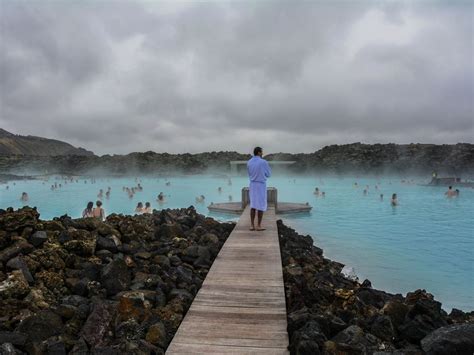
(258,151)
(450,188)
(147,204)
(98,203)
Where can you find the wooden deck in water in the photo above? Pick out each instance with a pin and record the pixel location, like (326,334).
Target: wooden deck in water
(283,207)
(240,307)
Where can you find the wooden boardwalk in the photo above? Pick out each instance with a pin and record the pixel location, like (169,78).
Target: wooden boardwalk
(240,307)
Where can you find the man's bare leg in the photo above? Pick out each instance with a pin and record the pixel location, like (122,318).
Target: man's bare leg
(259,226)
(252,219)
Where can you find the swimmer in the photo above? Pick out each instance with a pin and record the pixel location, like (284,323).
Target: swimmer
(316,191)
(230,198)
(147,208)
(161,198)
(88,210)
(107,194)
(98,211)
(24,197)
(168,183)
(365,192)
(100,194)
(219,189)
(457,192)
(450,192)
(7,187)
(323,194)
(139,208)
(394,201)
(229,182)
(381,197)
(200,199)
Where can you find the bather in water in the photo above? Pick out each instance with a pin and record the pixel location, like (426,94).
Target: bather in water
(394,200)
(450,193)
(88,211)
(98,211)
(161,198)
(139,208)
(147,208)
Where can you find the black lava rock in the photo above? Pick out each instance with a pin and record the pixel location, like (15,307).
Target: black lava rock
(38,238)
(115,277)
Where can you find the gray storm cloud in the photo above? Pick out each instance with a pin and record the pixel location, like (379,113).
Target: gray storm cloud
(202,76)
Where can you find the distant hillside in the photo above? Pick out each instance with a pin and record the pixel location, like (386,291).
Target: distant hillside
(452,159)
(423,159)
(12,144)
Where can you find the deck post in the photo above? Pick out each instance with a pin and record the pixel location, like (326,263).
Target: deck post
(272,197)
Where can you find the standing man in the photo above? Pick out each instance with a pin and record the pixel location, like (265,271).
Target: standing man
(259,171)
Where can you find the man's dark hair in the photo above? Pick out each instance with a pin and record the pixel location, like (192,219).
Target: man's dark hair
(257,150)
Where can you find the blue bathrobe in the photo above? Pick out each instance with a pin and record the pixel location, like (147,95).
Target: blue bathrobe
(259,171)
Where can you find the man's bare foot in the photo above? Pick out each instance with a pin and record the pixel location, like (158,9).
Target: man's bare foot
(252,228)
(260,229)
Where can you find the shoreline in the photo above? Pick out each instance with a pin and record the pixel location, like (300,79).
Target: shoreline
(350,271)
(56,289)
(331,314)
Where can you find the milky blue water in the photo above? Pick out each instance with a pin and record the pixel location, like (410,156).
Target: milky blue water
(427,241)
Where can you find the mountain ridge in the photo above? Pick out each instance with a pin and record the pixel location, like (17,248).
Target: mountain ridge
(449,159)
(14,144)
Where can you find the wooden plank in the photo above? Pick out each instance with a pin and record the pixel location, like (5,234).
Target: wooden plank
(219,331)
(278,342)
(240,307)
(192,348)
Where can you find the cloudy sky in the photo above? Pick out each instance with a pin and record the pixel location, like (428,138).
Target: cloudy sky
(293,76)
